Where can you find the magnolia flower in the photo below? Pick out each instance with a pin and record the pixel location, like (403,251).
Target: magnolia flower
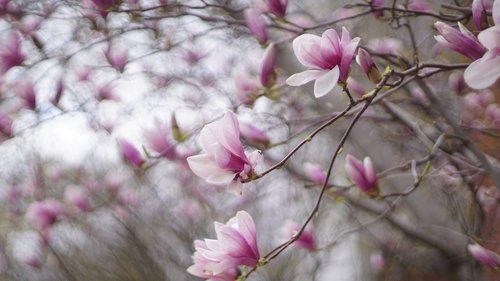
(256,24)
(485,71)
(116,58)
(362,174)
(463,41)
(100,6)
(247,88)
(329,58)
(158,140)
(10,52)
(26,91)
(78,198)
(306,239)
(275,7)
(43,214)
(314,173)
(267,74)
(224,161)
(366,63)
(130,153)
(377,261)
(386,46)
(254,135)
(236,245)
(484,256)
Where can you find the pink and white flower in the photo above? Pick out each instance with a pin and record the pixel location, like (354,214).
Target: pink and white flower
(158,139)
(328,58)
(485,71)
(10,52)
(275,7)
(236,245)
(305,241)
(361,173)
(315,172)
(256,24)
(43,214)
(130,153)
(224,161)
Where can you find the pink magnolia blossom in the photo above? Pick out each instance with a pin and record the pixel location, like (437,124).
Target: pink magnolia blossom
(256,24)
(158,140)
(5,125)
(329,58)
(305,241)
(366,63)
(267,73)
(43,214)
(117,58)
(254,135)
(386,46)
(105,92)
(130,153)
(236,245)
(26,91)
(419,6)
(361,173)
(485,71)
(484,256)
(275,7)
(224,161)
(101,7)
(377,261)
(461,41)
(247,88)
(355,87)
(314,173)
(377,4)
(10,52)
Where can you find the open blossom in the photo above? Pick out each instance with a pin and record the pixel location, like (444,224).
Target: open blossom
(485,71)
(461,41)
(224,161)
(10,52)
(484,256)
(275,7)
(236,245)
(328,58)
(305,241)
(362,173)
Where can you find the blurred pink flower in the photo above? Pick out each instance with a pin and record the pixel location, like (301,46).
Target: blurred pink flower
(485,71)
(5,125)
(267,73)
(275,7)
(254,135)
(236,245)
(419,6)
(224,161)
(78,198)
(314,173)
(10,52)
(463,41)
(247,88)
(101,7)
(256,24)
(117,58)
(329,58)
(377,4)
(377,261)
(26,91)
(105,92)
(484,256)
(386,46)
(492,116)
(130,153)
(306,239)
(355,88)
(158,139)
(361,173)
(43,214)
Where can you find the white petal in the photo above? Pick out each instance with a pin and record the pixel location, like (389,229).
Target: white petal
(303,77)
(326,82)
(203,166)
(496,12)
(482,73)
(490,38)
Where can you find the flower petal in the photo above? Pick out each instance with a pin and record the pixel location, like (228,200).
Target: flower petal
(304,48)
(203,166)
(482,73)
(490,38)
(326,82)
(304,77)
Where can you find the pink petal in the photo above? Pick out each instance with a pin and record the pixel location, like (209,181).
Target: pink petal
(496,12)
(304,77)
(482,73)
(304,47)
(326,82)
(347,55)
(203,166)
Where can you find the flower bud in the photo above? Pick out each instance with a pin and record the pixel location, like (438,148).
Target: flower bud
(267,73)
(484,256)
(254,135)
(362,174)
(314,173)
(366,63)
(256,24)
(130,153)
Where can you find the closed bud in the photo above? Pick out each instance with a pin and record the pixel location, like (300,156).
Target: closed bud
(366,63)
